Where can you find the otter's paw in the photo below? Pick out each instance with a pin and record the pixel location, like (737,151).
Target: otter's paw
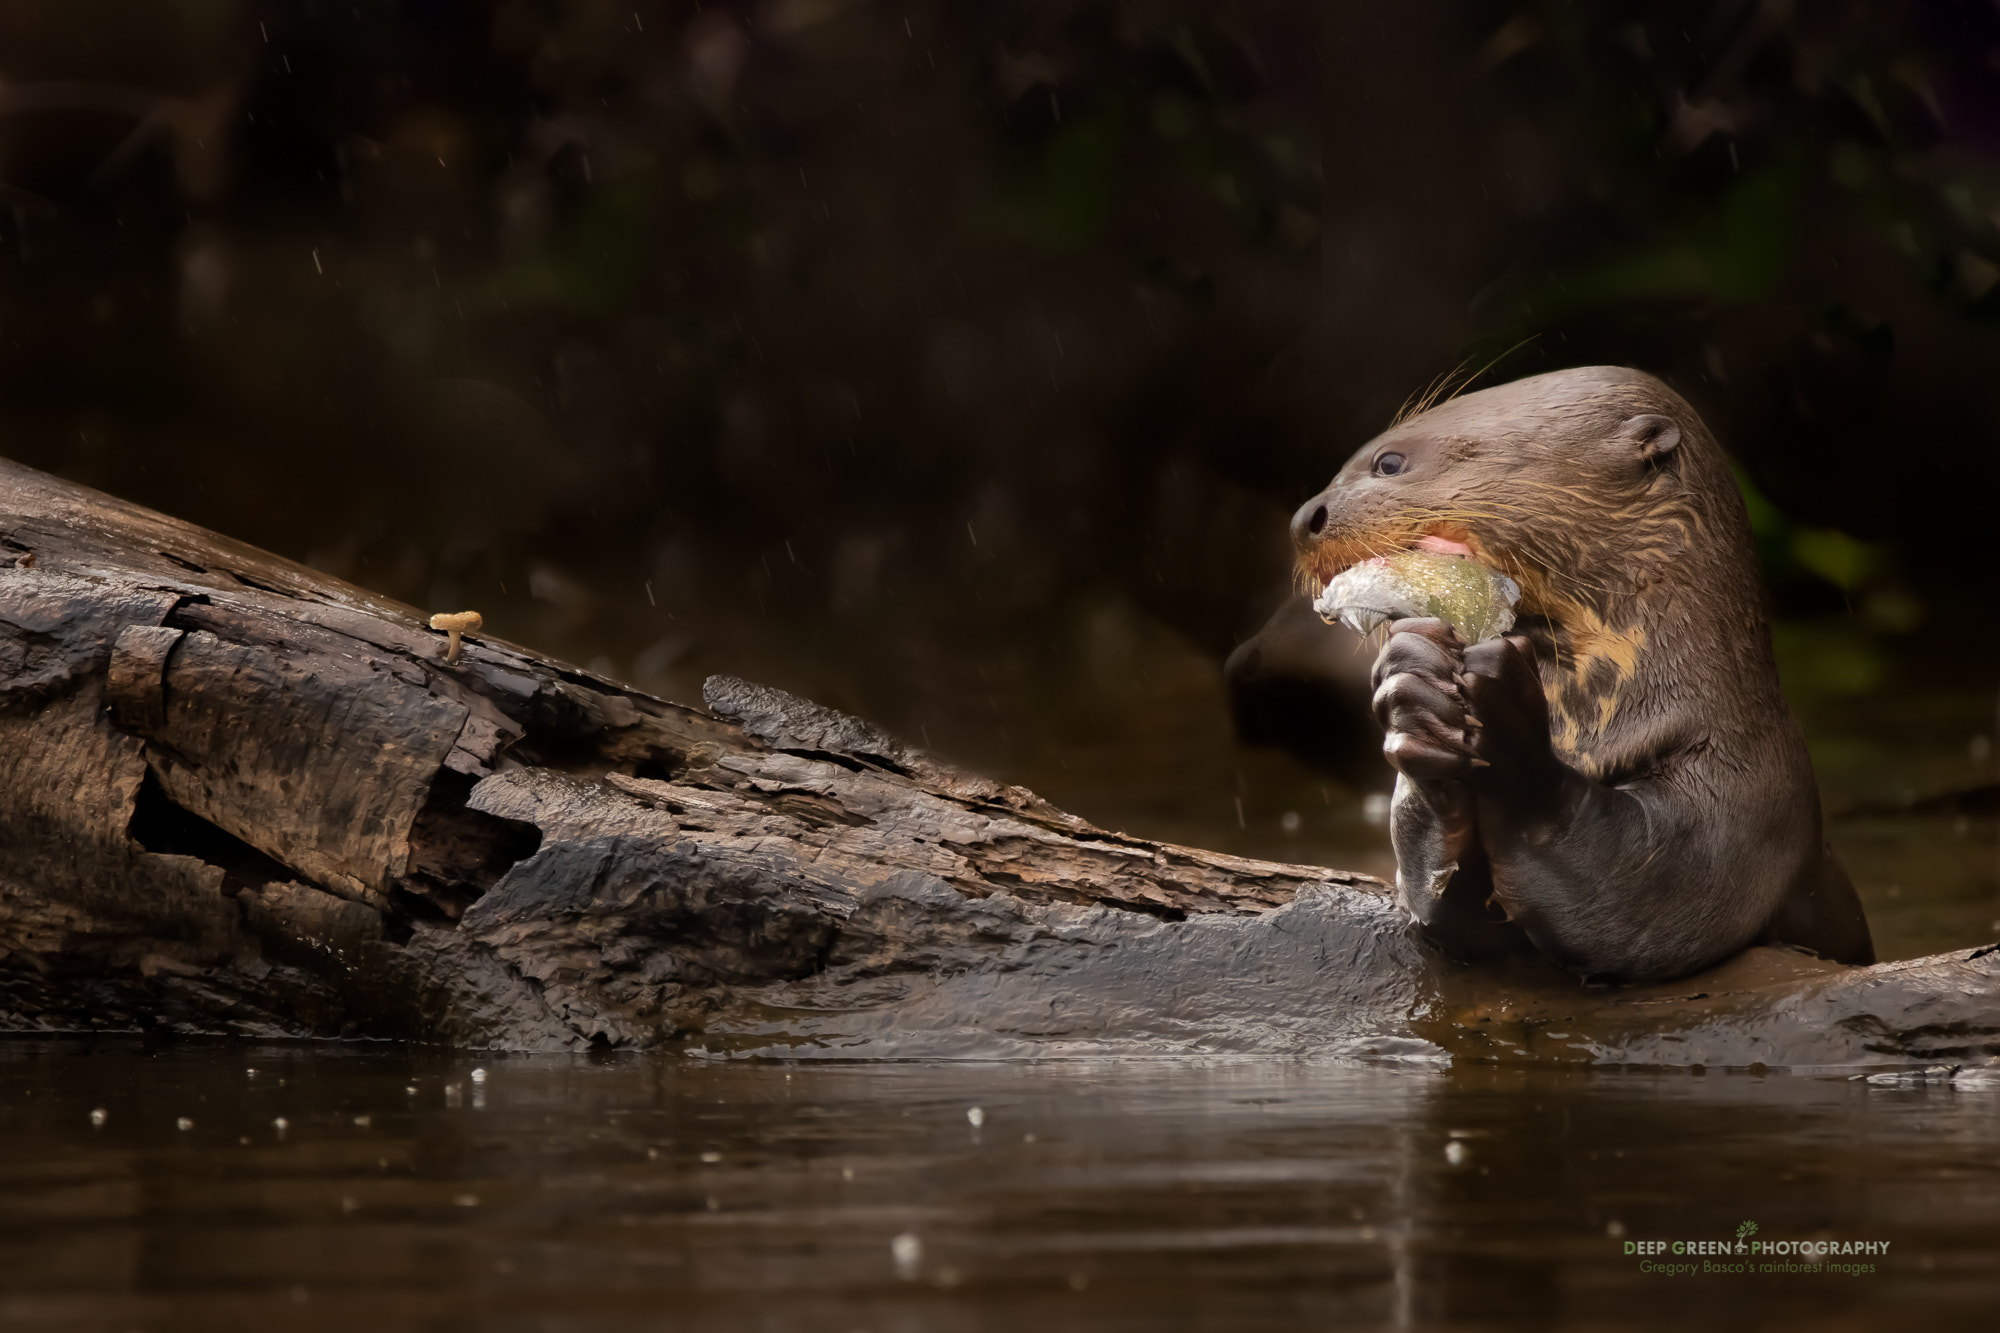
(1500,684)
(1420,704)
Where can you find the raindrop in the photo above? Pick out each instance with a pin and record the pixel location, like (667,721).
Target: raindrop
(1455,1153)
(281,1125)
(479,1076)
(183,1124)
(908,1252)
(98,1117)
(976,1116)
(711,1157)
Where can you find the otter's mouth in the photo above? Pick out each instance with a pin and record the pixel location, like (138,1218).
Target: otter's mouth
(1443,546)
(1333,558)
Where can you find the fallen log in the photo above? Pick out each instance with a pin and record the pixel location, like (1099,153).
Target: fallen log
(238,796)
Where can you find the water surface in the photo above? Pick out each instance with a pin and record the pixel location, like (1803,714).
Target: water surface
(579,1193)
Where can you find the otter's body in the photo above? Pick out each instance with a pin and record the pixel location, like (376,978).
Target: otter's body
(1620,781)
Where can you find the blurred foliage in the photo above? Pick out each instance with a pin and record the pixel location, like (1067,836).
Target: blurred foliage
(1792,211)
(879,351)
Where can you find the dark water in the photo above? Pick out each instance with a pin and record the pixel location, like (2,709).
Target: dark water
(578,1193)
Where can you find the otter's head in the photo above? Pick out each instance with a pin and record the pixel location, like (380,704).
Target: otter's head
(1578,485)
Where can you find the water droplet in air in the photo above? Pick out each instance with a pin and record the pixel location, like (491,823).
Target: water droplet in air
(908,1252)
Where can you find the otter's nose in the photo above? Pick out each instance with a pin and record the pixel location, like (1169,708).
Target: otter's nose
(1309,524)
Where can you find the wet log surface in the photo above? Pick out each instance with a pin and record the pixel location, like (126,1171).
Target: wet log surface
(240,797)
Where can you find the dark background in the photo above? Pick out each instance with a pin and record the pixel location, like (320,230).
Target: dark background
(960,365)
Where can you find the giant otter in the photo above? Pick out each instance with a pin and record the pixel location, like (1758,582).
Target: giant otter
(1620,781)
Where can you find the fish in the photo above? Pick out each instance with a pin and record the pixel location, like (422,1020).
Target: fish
(1477,602)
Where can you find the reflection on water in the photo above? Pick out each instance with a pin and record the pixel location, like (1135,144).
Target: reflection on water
(328,1188)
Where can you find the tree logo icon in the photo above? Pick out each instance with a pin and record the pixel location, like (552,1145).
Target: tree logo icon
(1747,1230)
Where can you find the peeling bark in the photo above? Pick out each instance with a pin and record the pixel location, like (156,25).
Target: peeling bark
(237,796)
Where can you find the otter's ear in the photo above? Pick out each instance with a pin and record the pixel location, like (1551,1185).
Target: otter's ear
(1651,436)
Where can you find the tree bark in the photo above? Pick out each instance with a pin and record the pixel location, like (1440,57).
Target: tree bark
(238,796)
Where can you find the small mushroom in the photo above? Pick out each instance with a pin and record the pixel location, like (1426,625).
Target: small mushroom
(456,623)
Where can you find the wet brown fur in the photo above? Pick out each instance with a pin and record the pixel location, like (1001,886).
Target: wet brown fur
(1637,583)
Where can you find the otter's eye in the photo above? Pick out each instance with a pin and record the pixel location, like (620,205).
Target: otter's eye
(1388,465)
